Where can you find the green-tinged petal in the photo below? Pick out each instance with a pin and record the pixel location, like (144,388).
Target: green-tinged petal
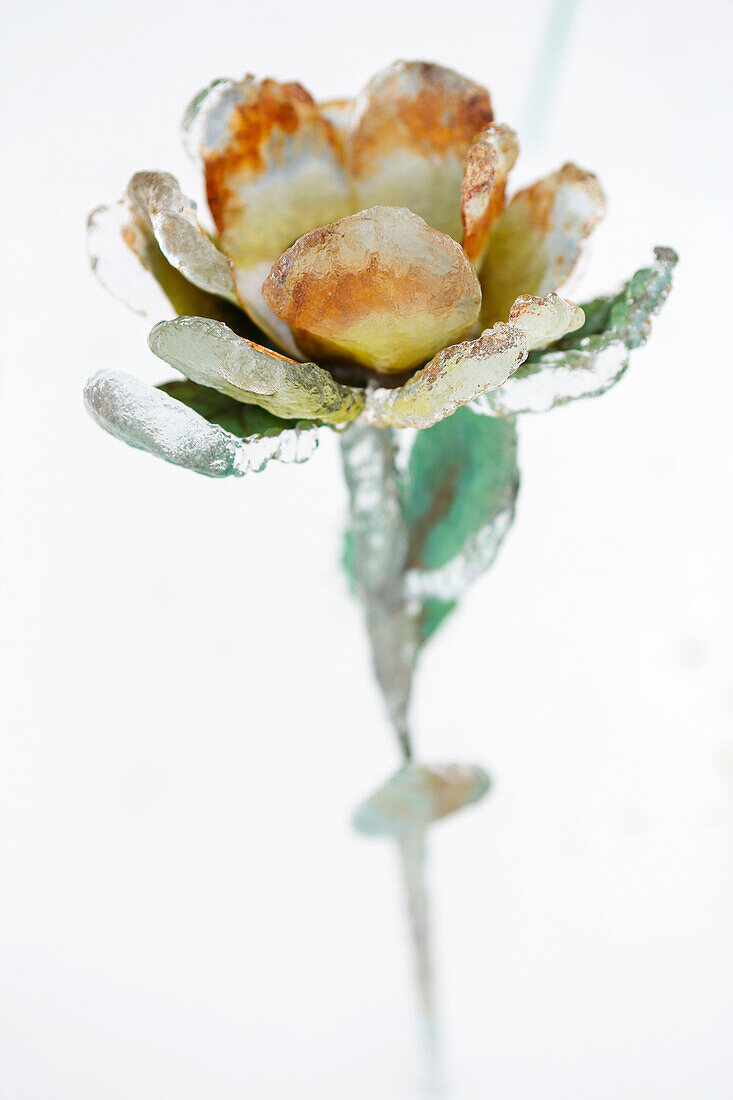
(211,354)
(458,502)
(591,360)
(537,241)
(151,420)
(417,795)
(411,128)
(460,374)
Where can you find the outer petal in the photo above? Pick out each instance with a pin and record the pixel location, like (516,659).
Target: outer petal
(273,167)
(146,418)
(211,354)
(128,261)
(412,126)
(488,163)
(462,373)
(417,795)
(595,357)
(160,203)
(537,240)
(380,288)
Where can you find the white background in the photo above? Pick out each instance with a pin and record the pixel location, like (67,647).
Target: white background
(188,713)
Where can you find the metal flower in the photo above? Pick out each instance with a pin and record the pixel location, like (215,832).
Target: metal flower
(365,263)
(368,274)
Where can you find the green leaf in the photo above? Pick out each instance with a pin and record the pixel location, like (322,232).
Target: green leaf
(458,497)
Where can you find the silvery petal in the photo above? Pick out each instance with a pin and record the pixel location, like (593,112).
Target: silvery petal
(160,203)
(146,418)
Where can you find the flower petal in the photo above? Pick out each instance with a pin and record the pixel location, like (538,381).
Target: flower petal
(161,204)
(272,165)
(488,163)
(412,126)
(537,240)
(380,288)
(273,168)
(147,418)
(460,374)
(596,356)
(211,354)
(419,794)
(128,261)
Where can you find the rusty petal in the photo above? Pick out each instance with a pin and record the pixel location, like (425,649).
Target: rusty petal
(380,288)
(411,128)
(460,374)
(537,240)
(488,163)
(272,164)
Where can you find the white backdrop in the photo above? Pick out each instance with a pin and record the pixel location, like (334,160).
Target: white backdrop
(188,713)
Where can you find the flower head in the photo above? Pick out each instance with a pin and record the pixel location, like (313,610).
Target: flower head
(365,262)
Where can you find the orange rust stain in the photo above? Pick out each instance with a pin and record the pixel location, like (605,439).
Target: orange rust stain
(483,173)
(443,115)
(271,108)
(327,303)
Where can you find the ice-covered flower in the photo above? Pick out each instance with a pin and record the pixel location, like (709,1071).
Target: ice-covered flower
(365,264)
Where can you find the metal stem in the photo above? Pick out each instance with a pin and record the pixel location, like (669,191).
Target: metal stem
(379,562)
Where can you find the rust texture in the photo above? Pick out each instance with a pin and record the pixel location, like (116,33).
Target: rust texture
(420,107)
(270,111)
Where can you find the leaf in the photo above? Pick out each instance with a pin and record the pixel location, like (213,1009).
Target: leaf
(458,498)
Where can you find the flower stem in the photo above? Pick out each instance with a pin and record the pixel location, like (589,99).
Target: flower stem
(379,558)
(378,562)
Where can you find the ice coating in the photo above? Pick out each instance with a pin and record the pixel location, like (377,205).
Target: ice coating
(595,357)
(211,354)
(147,418)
